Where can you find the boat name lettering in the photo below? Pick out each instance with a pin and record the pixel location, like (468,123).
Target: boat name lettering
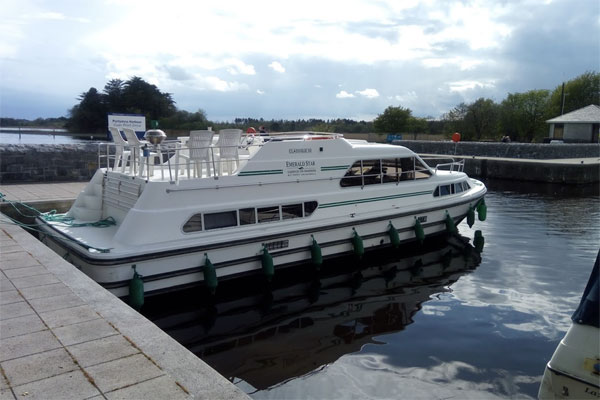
(301,150)
(296,164)
(280,244)
(422,219)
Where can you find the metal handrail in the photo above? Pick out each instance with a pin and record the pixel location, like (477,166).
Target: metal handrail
(107,157)
(453,165)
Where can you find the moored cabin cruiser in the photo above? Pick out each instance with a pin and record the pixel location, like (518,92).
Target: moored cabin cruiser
(215,206)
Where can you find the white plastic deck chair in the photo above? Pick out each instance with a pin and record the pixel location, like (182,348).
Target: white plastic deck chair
(228,144)
(138,155)
(198,152)
(122,156)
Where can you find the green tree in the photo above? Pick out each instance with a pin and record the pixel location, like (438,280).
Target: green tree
(113,95)
(185,120)
(90,114)
(142,97)
(454,120)
(132,96)
(481,119)
(579,92)
(393,120)
(417,125)
(523,115)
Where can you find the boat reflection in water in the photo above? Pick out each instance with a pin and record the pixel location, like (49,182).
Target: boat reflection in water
(265,336)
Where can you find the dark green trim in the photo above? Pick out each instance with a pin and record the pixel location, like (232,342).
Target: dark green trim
(335,168)
(371,199)
(261,172)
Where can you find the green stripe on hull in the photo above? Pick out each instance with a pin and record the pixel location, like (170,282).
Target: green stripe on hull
(264,172)
(335,168)
(372,199)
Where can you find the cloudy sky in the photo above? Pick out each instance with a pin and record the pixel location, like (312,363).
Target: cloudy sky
(300,59)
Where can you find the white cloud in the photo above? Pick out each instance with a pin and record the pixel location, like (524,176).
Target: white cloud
(480,46)
(261,92)
(463,63)
(405,98)
(461,86)
(344,95)
(277,67)
(239,67)
(215,83)
(369,93)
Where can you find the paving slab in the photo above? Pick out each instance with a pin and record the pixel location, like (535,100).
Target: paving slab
(26,271)
(102,350)
(154,389)
(38,366)
(51,303)
(37,280)
(10,296)
(6,394)
(17,259)
(14,310)
(84,331)
(68,316)
(24,345)
(21,325)
(53,289)
(71,385)
(64,336)
(123,372)
(6,285)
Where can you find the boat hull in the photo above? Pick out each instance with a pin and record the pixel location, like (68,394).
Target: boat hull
(570,374)
(182,267)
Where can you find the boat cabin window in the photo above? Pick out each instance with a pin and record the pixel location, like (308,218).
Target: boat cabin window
(291,211)
(444,190)
(268,214)
(369,172)
(309,207)
(220,219)
(193,224)
(249,216)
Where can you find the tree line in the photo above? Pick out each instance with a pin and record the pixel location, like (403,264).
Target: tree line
(521,116)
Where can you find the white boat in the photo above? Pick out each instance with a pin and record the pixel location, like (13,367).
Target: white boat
(227,210)
(573,372)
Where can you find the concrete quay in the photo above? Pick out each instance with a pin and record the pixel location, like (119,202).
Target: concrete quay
(62,336)
(570,171)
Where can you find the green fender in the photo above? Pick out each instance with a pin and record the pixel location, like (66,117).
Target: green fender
(136,290)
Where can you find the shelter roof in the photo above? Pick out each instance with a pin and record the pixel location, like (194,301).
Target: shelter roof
(589,114)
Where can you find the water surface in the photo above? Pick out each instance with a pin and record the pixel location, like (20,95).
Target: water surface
(437,321)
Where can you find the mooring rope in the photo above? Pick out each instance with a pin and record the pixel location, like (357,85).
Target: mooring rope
(52,216)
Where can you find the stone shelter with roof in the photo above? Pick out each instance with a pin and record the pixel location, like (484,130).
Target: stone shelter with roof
(579,126)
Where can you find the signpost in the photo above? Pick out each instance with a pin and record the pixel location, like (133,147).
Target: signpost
(137,122)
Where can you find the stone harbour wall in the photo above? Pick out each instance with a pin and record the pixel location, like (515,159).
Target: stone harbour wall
(21,163)
(537,151)
(78,162)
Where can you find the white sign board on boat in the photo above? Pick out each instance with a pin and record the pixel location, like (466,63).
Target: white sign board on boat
(137,122)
